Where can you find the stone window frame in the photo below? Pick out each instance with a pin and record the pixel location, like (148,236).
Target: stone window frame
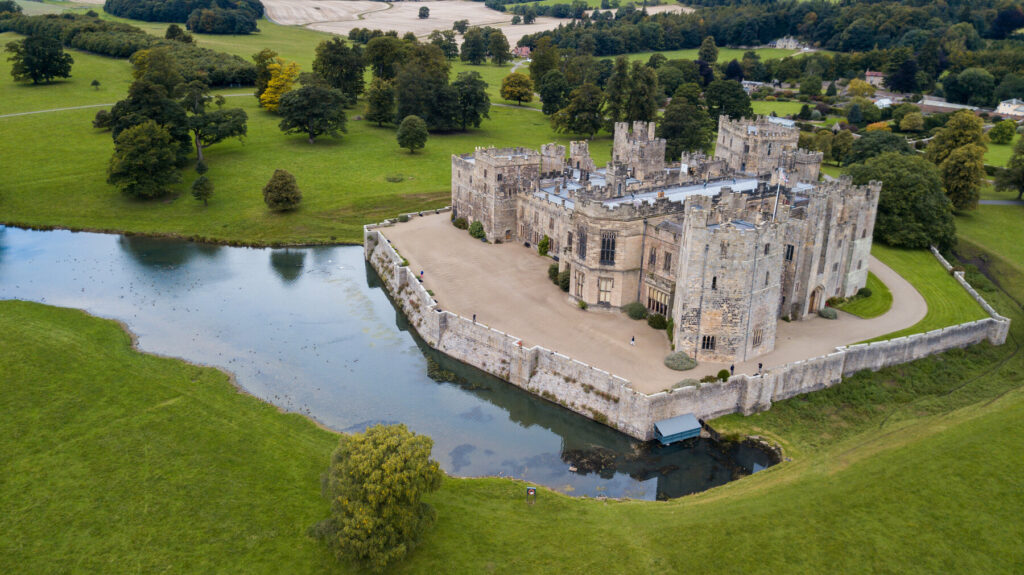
(607,255)
(582,243)
(667,264)
(758,337)
(766,248)
(652,259)
(707,343)
(790,248)
(714,282)
(604,290)
(580,282)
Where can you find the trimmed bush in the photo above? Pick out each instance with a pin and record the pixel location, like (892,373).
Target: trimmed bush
(635,310)
(476,229)
(864,292)
(679,361)
(403,218)
(460,223)
(553,273)
(563,280)
(828,313)
(657,321)
(709,379)
(581,304)
(723,374)
(544,245)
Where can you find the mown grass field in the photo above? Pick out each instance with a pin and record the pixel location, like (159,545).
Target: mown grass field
(879,302)
(764,108)
(948,303)
(999,154)
(724,54)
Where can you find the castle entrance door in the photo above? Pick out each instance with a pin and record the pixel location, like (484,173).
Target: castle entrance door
(508,235)
(815,299)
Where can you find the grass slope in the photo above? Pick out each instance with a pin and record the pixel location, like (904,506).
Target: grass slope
(875,305)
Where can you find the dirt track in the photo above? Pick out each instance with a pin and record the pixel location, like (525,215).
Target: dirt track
(506,285)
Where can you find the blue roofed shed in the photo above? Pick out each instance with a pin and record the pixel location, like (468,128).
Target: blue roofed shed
(677,428)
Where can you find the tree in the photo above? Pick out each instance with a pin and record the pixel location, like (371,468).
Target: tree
(642,95)
(380,102)
(876,143)
(422,89)
(95,84)
(342,67)
(544,58)
(1002,133)
(823,143)
(912,122)
(39,58)
(282,192)
(517,87)
(962,129)
(726,97)
(616,92)
(1012,86)
(202,189)
(854,114)
(901,111)
(263,59)
(734,71)
(143,164)
(378,518)
(209,128)
(10,7)
(282,78)
(314,111)
(913,212)
(582,115)
(517,19)
(473,103)
(810,85)
(1011,178)
(904,77)
(554,92)
(102,120)
(860,89)
(686,128)
(384,54)
(474,47)
(708,52)
(460,26)
(974,86)
(148,101)
(174,32)
(412,133)
(424,12)
(962,173)
(160,67)
(842,145)
(878,127)
(445,40)
(498,48)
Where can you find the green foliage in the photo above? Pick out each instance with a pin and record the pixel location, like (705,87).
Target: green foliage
(680,361)
(581,304)
(635,310)
(39,59)
(708,50)
(962,129)
(424,12)
(143,164)
(553,273)
(544,245)
(376,484)
(445,40)
(474,46)
(341,66)
(1011,179)
(543,59)
(723,375)
(913,211)
(10,7)
(262,60)
(686,128)
(583,113)
(642,95)
(517,87)
(563,280)
(554,92)
(727,97)
(1002,133)
(473,104)
(962,174)
(912,122)
(182,10)
(282,192)
(498,48)
(102,120)
(460,223)
(875,143)
(476,230)
(313,110)
(380,102)
(657,321)
(871,301)
(384,54)
(412,133)
(828,313)
(202,189)
(174,32)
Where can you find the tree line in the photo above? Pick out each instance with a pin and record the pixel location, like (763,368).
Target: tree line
(207,16)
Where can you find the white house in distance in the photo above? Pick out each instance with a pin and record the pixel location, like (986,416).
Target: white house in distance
(1011,108)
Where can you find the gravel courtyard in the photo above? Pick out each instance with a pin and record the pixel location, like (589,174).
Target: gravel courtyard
(507,287)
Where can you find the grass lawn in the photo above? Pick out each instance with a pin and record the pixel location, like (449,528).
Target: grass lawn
(874,305)
(948,303)
(764,108)
(831,170)
(724,54)
(999,154)
(996,225)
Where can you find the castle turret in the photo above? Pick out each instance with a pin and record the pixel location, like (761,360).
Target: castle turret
(640,149)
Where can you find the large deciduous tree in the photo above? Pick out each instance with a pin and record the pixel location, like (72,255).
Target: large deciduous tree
(583,113)
(498,48)
(913,211)
(263,59)
(283,76)
(876,143)
(380,102)
(962,129)
(1011,179)
(474,46)
(616,92)
(517,87)
(209,127)
(686,128)
(39,59)
(412,133)
(554,92)
(543,59)
(341,66)
(473,103)
(313,110)
(726,97)
(143,164)
(962,173)
(376,484)
(383,54)
(642,94)
(708,51)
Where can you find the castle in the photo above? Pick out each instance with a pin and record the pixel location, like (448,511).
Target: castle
(723,246)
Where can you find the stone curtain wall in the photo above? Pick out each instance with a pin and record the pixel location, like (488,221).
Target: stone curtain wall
(609,399)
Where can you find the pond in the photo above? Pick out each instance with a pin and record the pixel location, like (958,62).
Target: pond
(310,330)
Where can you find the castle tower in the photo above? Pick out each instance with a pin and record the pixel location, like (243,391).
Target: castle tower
(640,149)
(755,147)
(485,186)
(552,158)
(579,156)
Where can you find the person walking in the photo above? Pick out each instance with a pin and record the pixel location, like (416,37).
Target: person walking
(632,340)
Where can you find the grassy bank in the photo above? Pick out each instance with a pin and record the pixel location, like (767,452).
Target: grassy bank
(874,305)
(150,464)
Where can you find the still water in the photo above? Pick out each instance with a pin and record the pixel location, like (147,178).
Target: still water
(310,330)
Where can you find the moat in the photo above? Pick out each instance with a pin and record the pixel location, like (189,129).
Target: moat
(310,330)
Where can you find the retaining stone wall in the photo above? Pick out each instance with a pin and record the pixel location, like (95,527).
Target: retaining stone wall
(610,399)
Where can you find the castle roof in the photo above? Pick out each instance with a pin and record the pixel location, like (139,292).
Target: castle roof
(680,193)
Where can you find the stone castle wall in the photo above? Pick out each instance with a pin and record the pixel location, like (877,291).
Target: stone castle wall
(609,399)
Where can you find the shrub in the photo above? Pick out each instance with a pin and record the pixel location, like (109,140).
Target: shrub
(635,310)
(657,321)
(563,280)
(476,229)
(835,301)
(581,304)
(864,292)
(553,273)
(670,330)
(723,374)
(102,120)
(828,313)
(460,223)
(544,245)
(709,379)
(281,192)
(679,361)
(403,218)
